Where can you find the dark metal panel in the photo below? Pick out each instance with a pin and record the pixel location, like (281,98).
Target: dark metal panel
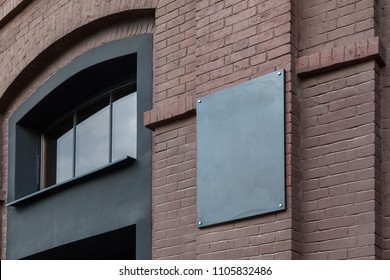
(241,151)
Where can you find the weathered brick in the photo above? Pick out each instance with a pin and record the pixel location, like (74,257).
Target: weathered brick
(335,121)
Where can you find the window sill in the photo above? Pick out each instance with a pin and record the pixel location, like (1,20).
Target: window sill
(60,186)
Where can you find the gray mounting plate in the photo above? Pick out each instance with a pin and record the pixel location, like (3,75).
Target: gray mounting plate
(241,151)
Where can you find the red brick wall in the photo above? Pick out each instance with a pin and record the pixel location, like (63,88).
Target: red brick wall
(330,23)
(385,92)
(337,121)
(338,153)
(174,208)
(174,57)
(235,41)
(341,62)
(239,40)
(173,193)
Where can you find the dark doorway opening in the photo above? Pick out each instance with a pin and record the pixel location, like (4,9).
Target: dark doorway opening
(114,245)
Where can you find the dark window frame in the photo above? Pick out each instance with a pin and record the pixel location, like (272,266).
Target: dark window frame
(26,135)
(127,202)
(109,94)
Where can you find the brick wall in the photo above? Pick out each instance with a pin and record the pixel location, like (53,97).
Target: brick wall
(235,41)
(38,63)
(174,209)
(385,92)
(340,62)
(174,57)
(337,92)
(239,40)
(338,143)
(173,193)
(327,24)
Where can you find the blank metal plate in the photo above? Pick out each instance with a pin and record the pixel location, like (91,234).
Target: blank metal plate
(241,151)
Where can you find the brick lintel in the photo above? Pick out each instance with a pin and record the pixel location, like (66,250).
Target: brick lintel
(341,56)
(165,113)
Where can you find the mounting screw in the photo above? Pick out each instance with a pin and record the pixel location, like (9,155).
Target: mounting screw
(280,205)
(199,101)
(199,223)
(279,73)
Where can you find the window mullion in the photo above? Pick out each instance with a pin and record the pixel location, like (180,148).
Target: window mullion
(110,129)
(74,143)
(42,165)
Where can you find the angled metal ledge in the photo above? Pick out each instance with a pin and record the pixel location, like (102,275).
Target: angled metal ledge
(72,182)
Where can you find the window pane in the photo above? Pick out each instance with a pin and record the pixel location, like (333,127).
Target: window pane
(124,126)
(92,137)
(65,157)
(58,153)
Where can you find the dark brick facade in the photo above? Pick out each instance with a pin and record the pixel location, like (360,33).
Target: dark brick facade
(335,54)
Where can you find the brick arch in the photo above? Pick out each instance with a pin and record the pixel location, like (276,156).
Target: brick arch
(31,58)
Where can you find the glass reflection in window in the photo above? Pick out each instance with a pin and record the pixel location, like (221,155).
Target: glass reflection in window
(92,137)
(58,153)
(124,124)
(65,157)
